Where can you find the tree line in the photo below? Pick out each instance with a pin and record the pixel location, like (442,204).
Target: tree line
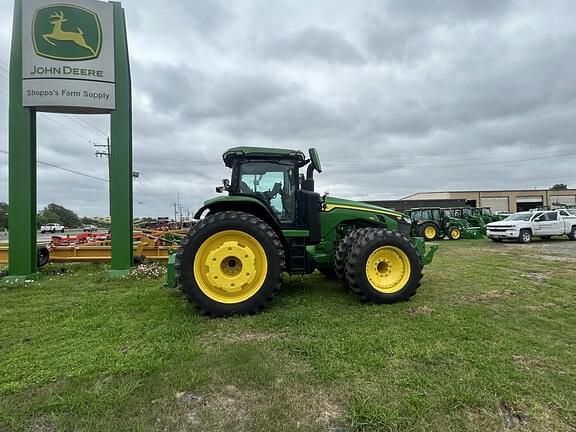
(52,213)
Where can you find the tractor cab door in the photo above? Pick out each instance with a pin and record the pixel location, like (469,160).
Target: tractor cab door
(273,183)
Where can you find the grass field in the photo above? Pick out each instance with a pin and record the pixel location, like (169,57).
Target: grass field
(488,343)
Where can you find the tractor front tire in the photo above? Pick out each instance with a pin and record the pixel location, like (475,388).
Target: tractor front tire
(383,267)
(429,231)
(454,233)
(230,263)
(342,250)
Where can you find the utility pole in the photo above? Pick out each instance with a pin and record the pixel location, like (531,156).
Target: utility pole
(179,208)
(175,211)
(105,153)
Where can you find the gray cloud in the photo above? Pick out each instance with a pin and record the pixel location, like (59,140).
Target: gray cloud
(398,97)
(316,44)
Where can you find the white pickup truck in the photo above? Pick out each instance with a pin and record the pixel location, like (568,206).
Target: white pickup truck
(525,225)
(52,227)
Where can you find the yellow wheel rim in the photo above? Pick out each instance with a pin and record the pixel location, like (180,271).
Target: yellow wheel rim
(388,269)
(230,266)
(455,234)
(430,232)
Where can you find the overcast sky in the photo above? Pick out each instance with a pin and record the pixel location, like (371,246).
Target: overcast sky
(398,96)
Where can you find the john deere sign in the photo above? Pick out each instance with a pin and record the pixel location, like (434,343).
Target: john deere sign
(52,40)
(68,55)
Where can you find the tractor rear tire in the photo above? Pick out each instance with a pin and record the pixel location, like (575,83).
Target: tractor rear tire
(454,233)
(42,256)
(230,263)
(342,250)
(429,231)
(383,267)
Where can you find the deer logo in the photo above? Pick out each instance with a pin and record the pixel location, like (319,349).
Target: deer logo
(60,35)
(66,32)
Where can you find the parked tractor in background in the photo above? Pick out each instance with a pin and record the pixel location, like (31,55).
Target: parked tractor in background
(272,221)
(434,223)
(471,215)
(489,216)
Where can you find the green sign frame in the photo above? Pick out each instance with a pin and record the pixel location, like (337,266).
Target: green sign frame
(22,160)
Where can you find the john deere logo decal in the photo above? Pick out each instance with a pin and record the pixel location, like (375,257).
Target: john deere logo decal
(66,32)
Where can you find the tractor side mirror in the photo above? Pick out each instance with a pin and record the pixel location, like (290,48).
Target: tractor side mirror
(225,186)
(315,159)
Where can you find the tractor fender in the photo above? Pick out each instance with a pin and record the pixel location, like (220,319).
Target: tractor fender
(244,204)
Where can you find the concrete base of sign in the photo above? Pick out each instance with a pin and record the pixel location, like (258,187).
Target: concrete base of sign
(14,280)
(117,274)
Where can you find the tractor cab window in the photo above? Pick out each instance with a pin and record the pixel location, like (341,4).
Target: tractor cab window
(436,214)
(273,183)
(426,215)
(486,212)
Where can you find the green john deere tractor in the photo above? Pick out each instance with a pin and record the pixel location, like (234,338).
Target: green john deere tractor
(434,223)
(473,216)
(272,222)
(488,216)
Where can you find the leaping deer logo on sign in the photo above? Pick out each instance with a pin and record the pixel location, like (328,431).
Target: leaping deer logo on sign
(66,32)
(60,35)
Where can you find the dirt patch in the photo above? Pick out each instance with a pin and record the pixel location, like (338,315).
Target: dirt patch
(250,337)
(531,363)
(232,408)
(42,424)
(209,339)
(487,296)
(536,277)
(512,417)
(420,310)
(543,306)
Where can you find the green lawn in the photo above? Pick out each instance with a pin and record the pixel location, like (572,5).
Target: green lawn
(488,343)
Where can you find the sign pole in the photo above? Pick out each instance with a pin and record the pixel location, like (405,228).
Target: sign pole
(22,163)
(121,203)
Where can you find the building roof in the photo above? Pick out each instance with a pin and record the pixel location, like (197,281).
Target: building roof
(491,190)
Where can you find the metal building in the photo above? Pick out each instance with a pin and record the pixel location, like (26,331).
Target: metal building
(505,200)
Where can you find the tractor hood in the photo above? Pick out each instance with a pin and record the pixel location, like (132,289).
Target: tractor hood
(332,203)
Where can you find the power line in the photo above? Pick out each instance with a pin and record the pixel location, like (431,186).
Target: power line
(65,169)
(64,126)
(453,164)
(156,190)
(88,126)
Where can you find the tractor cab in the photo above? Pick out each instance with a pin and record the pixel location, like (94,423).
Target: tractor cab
(270,182)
